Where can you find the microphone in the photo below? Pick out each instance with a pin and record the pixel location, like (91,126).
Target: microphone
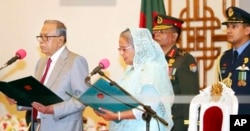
(20,54)
(103,64)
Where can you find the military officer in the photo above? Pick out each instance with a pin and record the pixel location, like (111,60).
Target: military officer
(182,65)
(235,61)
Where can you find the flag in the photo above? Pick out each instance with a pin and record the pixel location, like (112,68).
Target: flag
(149,9)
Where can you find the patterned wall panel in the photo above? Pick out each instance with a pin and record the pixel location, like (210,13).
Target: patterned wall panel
(202,33)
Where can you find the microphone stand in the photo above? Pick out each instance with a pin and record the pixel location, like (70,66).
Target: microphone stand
(148,114)
(5,65)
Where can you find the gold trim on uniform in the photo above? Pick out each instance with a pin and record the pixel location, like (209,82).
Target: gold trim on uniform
(182,53)
(228,81)
(230,12)
(246,60)
(171,62)
(159,20)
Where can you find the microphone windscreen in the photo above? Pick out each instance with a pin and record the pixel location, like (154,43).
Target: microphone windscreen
(21,53)
(105,63)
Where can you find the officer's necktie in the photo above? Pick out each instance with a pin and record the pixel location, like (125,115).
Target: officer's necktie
(42,81)
(235,56)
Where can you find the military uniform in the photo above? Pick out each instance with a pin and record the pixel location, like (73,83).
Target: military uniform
(184,77)
(237,69)
(183,73)
(240,74)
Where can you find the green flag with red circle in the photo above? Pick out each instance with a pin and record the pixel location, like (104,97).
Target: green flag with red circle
(150,9)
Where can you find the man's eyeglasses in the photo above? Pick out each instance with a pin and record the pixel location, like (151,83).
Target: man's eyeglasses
(162,31)
(41,38)
(125,48)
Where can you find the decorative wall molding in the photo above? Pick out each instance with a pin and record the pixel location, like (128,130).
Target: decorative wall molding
(202,31)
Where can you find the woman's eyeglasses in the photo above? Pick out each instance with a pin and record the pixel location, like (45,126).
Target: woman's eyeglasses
(125,48)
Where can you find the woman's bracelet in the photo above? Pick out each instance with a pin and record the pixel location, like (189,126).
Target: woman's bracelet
(119,115)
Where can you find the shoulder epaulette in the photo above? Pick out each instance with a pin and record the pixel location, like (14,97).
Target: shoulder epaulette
(181,52)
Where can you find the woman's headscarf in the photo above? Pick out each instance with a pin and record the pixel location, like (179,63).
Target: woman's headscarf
(150,58)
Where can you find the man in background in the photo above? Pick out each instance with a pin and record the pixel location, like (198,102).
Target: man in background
(234,63)
(183,70)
